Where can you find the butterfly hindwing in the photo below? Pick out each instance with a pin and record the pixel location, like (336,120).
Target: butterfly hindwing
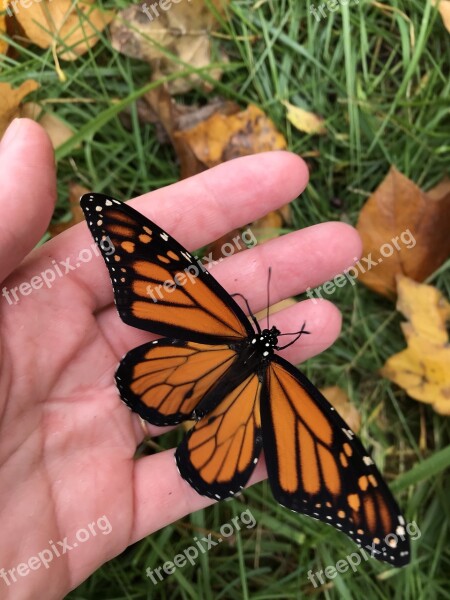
(220,452)
(317,466)
(158,285)
(164,380)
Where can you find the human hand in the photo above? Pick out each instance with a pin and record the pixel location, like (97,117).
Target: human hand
(66,440)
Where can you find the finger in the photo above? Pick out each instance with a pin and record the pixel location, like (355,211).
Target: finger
(28,191)
(327,249)
(195,211)
(173,496)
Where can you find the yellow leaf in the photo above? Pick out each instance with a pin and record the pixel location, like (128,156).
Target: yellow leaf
(304,120)
(56,128)
(425,308)
(444,9)
(3,44)
(222,137)
(73,26)
(422,369)
(11,99)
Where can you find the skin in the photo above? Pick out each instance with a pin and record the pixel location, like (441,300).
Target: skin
(66,439)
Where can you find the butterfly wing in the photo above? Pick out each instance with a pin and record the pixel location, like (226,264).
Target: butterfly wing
(220,452)
(317,466)
(158,285)
(164,380)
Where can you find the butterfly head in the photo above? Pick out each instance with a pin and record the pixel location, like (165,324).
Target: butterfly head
(266,341)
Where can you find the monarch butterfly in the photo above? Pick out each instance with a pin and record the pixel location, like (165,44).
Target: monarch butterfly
(213,366)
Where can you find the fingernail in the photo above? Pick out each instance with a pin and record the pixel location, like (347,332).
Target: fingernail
(12,132)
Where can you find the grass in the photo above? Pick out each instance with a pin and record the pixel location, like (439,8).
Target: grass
(376,72)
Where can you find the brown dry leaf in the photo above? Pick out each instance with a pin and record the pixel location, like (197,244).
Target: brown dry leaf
(176,118)
(444,9)
(3,43)
(184,31)
(341,402)
(303,120)
(75,192)
(422,369)
(400,214)
(77,24)
(223,137)
(58,131)
(11,99)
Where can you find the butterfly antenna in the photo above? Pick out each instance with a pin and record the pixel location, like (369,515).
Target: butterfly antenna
(268,296)
(249,310)
(296,333)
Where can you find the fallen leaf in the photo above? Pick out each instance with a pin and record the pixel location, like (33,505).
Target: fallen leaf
(444,9)
(422,369)
(303,120)
(3,44)
(223,137)
(11,99)
(176,118)
(341,402)
(76,214)
(183,28)
(58,131)
(404,231)
(426,310)
(73,27)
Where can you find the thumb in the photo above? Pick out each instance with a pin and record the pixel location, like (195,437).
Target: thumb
(27,191)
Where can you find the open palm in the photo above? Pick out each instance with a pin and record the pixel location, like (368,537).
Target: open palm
(67,476)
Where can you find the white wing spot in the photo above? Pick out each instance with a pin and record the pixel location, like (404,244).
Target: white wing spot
(348,433)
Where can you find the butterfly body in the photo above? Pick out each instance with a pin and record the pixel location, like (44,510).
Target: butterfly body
(215,367)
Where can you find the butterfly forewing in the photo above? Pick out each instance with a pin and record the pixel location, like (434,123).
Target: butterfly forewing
(158,285)
(317,466)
